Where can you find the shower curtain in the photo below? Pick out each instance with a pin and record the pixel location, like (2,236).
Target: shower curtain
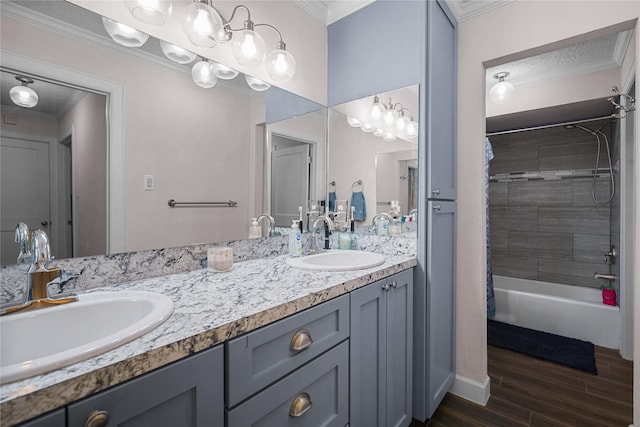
(491,301)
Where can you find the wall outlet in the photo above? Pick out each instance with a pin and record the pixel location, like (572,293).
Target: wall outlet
(148,182)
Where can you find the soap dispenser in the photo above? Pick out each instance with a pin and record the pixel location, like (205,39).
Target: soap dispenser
(295,239)
(255,230)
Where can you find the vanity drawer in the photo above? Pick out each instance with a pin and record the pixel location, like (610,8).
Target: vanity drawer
(262,357)
(318,393)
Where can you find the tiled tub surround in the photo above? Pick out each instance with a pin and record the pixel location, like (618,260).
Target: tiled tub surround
(209,309)
(548,230)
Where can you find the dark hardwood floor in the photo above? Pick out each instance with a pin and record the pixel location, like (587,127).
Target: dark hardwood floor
(532,392)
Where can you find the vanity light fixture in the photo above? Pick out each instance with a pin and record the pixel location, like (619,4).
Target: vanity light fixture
(22,95)
(154,12)
(256,84)
(501,91)
(205,27)
(223,72)
(353,122)
(123,34)
(177,54)
(202,24)
(390,121)
(202,74)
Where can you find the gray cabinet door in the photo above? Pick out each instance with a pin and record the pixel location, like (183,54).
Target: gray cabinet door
(440,299)
(381,352)
(438,98)
(52,419)
(368,356)
(186,393)
(399,349)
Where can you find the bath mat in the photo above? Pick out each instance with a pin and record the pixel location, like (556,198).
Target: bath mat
(570,352)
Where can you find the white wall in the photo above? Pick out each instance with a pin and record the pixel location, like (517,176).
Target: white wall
(304,35)
(516,27)
(89,154)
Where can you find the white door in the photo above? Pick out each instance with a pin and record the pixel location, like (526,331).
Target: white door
(289,182)
(24,191)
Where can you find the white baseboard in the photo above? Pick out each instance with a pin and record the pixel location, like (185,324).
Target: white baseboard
(468,389)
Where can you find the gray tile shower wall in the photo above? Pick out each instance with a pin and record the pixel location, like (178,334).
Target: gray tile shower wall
(548,230)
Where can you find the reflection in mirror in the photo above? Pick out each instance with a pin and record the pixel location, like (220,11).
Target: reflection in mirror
(57,150)
(297,175)
(365,168)
(167,137)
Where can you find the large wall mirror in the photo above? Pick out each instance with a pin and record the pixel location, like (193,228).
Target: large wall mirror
(154,136)
(376,158)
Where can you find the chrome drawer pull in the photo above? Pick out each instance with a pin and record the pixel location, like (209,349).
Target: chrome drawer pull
(301,340)
(97,419)
(300,405)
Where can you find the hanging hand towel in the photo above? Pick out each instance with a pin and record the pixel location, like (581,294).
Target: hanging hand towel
(357,201)
(332,201)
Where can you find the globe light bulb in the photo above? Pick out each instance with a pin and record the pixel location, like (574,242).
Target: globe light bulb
(154,12)
(202,74)
(353,122)
(248,47)
(502,90)
(202,24)
(281,65)
(123,34)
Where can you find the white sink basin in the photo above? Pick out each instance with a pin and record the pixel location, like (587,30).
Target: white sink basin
(338,260)
(44,340)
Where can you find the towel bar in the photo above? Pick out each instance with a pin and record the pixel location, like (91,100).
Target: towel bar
(227,204)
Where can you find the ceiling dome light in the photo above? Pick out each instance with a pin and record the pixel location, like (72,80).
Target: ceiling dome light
(202,24)
(281,65)
(177,54)
(353,122)
(202,74)
(154,12)
(256,84)
(223,72)
(123,34)
(247,46)
(22,95)
(502,90)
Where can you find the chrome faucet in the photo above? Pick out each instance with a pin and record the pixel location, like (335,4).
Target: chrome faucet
(39,277)
(22,237)
(330,227)
(272,223)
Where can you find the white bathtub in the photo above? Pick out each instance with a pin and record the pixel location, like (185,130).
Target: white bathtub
(570,311)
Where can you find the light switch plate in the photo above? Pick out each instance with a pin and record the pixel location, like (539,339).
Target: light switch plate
(148,182)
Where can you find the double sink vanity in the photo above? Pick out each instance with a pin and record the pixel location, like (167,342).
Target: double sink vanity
(267,342)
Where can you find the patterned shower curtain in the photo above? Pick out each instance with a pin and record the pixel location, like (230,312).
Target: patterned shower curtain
(491,301)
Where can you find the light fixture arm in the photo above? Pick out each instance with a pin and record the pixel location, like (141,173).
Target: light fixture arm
(248,24)
(622,109)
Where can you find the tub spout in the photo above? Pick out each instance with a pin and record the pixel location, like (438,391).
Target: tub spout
(604,276)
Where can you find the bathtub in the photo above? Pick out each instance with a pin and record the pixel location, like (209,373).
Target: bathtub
(570,311)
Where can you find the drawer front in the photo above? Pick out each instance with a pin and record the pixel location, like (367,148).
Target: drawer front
(262,357)
(187,393)
(318,393)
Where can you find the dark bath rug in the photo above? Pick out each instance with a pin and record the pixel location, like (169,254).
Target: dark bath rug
(570,352)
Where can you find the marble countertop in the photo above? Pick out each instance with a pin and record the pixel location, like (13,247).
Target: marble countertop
(210,308)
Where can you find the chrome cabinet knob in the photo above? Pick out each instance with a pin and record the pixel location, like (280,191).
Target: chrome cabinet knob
(436,207)
(97,419)
(386,287)
(300,340)
(301,404)
(435,192)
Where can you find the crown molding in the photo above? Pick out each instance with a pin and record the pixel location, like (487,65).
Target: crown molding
(315,9)
(467,9)
(619,52)
(334,12)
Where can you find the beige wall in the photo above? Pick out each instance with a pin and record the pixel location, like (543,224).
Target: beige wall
(497,37)
(89,156)
(304,35)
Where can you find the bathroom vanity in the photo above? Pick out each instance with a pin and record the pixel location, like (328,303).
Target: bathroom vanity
(263,342)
